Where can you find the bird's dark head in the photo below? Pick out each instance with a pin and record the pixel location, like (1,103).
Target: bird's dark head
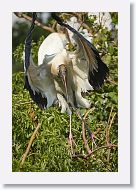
(62,71)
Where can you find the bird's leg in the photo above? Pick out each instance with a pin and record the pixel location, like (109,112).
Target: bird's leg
(71,140)
(90,133)
(70,131)
(70,134)
(92,136)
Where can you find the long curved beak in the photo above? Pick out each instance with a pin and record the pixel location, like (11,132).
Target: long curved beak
(65,84)
(63,74)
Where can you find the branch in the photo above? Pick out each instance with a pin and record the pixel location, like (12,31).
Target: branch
(84,138)
(23,15)
(38,125)
(84,130)
(112,81)
(110,121)
(29,144)
(88,155)
(108,146)
(108,129)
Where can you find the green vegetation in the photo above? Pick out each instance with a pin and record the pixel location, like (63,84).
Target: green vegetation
(50,151)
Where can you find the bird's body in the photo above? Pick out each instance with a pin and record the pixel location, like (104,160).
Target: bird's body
(45,80)
(62,74)
(51,46)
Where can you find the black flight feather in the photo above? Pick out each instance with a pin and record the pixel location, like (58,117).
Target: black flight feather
(36,97)
(96,78)
(28,42)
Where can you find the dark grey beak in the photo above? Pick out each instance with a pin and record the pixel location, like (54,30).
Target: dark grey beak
(63,75)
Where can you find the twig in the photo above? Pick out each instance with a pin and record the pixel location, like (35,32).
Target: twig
(86,114)
(23,15)
(54,25)
(108,146)
(98,130)
(84,138)
(84,130)
(108,130)
(95,150)
(112,81)
(108,155)
(107,140)
(29,144)
(110,115)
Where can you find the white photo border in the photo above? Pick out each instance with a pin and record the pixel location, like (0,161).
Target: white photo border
(123,174)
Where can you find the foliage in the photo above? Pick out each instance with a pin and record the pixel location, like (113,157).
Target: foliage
(50,151)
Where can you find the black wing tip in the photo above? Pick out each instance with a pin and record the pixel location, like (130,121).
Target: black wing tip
(97,78)
(37,97)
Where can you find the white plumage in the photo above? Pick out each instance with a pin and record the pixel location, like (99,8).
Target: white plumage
(63,75)
(44,79)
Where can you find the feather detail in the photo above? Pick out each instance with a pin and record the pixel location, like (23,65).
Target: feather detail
(98,71)
(36,96)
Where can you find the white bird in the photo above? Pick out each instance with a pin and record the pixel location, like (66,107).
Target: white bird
(63,75)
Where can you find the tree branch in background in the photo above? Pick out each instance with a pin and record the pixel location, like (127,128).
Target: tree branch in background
(108,145)
(23,15)
(52,29)
(111,146)
(83,119)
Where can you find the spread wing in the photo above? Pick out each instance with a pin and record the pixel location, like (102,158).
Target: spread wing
(96,70)
(39,83)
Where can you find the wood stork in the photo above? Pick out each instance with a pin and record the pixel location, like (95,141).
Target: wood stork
(63,75)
